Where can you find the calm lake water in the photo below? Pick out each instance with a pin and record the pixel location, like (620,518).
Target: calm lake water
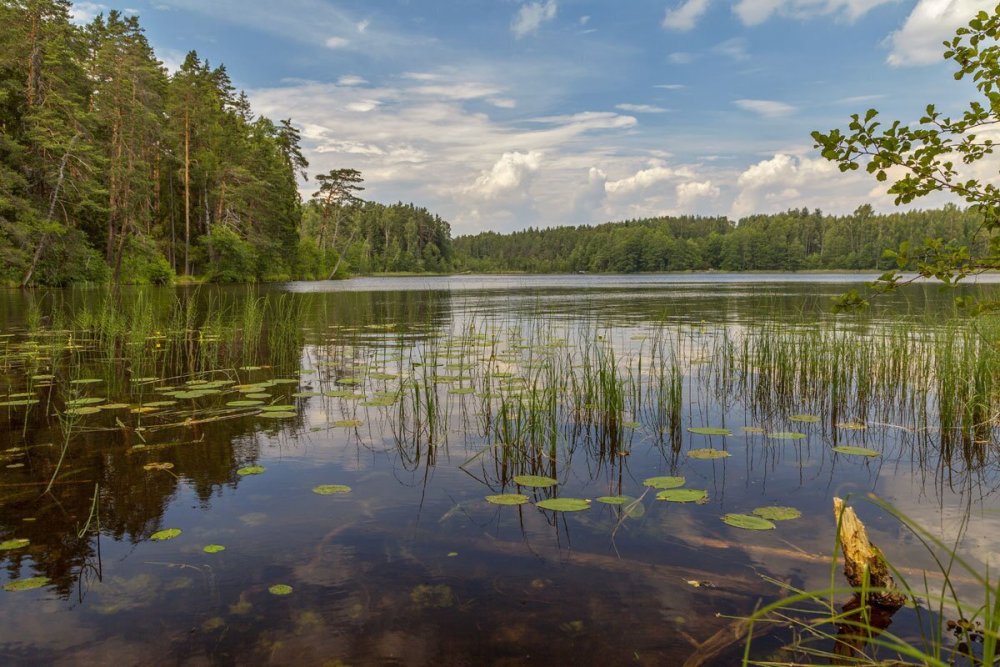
(220,413)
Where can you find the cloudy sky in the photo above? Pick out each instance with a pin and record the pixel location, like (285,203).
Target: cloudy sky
(503,114)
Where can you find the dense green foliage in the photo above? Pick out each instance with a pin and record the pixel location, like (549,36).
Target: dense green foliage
(112,169)
(934,155)
(790,241)
(373,238)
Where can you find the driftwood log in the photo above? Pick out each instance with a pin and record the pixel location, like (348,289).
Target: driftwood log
(864,565)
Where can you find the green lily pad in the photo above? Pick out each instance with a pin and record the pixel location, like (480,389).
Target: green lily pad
(244,404)
(706,430)
(851,426)
(631,425)
(25,584)
(613,500)
(277,415)
(258,396)
(168,534)
(777,513)
(708,453)
(856,451)
(805,419)
(160,404)
(251,470)
(331,489)
(80,402)
(349,395)
(564,504)
(19,543)
(683,495)
(86,381)
(115,406)
(747,522)
(213,548)
(78,412)
(753,429)
(538,481)
(20,403)
(348,423)
(280,589)
(380,402)
(462,391)
(278,408)
(664,482)
(507,499)
(787,435)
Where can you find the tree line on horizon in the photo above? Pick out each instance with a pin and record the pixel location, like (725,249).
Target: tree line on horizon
(795,240)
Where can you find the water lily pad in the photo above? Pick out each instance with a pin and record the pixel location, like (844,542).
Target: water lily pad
(856,451)
(244,404)
(277,415)
(348,423)
(348,394)
(115,406)
(631,425)
(462,391)
(753,429)
(805,419)
(160,404)
(747,522)
(787,435)
(777,513)
(851,426)
(79,402)
(664,482)
(86,381)
(613,500)
(683,495)
(280,589)
(706,430)
(19,543)
(78,412)
(380,402)
(564,504)
(158,466)
(538,481)
(168,534)
(19,403)
(213,548)
(708,453)
(26,584)
(251,470)
(258,396)
(507,499)
(331,489)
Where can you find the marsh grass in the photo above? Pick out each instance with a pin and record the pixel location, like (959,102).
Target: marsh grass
(957,624)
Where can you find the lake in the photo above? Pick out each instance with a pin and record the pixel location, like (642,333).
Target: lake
(300,473)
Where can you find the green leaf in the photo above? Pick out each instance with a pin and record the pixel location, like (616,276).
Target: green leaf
(251,470)
(331,489)
(213,548)
(664,482)
(683,495)
(25,584)
(507,499)
(19,543)
(856,451)
(777,513)
(708,430)
(708,453)
(747,522)
(564,504)
(280,589)
(163,535)
(537,481)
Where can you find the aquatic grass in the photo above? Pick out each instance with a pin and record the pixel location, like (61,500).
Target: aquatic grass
(954,629)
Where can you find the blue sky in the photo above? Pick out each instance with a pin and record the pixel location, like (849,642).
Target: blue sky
(503,114)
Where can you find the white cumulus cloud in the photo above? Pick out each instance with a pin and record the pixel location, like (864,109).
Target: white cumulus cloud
(531,16)
(336,43)
(918,42)
(645,178)
(508,177)
(688,193)
(641,108)
(686,15)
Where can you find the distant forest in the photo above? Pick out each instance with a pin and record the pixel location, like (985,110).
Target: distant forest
(796,240)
